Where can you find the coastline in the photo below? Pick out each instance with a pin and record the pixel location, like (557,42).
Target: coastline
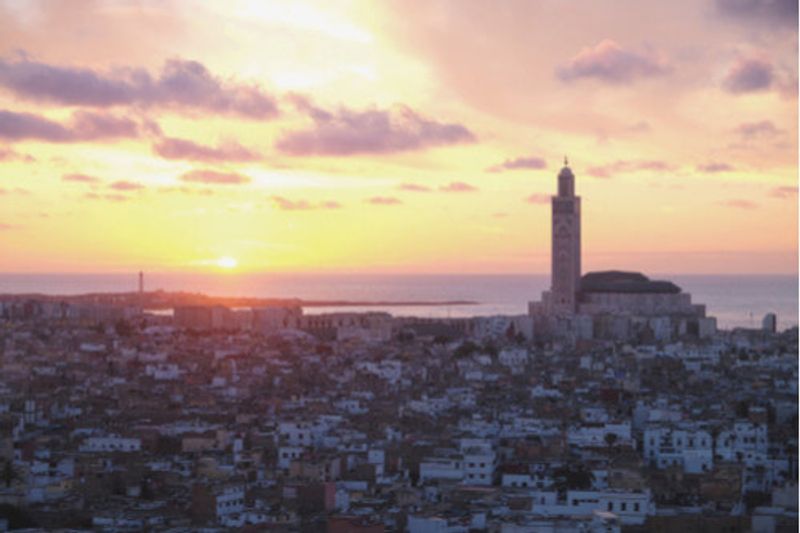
(160,300)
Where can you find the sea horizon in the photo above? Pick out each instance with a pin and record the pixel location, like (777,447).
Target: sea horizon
(736,300)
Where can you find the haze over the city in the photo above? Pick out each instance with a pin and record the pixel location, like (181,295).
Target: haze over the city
(396,136)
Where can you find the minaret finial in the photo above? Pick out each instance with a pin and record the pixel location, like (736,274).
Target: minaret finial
(566,161)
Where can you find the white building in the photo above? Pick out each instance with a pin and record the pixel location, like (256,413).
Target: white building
(274,319)
(163,371)
(441,468)
(377,458)
(479,461)
(594,415)
(596,435)
(440,524)
(513,358)
(299,433)
(691,449)
(287,454)
(745,442)
(632,508)
(110,444)
(389,369)
(229,501)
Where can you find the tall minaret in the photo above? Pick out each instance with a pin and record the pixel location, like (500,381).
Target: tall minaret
(566,251)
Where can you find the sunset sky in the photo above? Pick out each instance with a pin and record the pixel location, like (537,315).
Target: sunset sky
(411,136)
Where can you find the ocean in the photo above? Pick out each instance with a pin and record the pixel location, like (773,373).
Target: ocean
(736,300)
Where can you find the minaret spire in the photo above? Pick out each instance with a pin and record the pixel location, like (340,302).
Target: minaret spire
(566,247)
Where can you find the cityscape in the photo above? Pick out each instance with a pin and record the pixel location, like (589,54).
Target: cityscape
(313,275)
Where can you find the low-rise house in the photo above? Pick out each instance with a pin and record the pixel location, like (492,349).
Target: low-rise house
(689,448)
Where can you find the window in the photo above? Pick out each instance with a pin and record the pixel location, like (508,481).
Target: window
(610,506)
(623,506)
(636,507)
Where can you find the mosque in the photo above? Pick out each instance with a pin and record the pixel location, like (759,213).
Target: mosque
(608,305)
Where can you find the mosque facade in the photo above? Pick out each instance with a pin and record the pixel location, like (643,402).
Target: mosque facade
(609,305)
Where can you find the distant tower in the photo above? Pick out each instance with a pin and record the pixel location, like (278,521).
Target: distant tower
(566,244)
(141,283)
(770,323)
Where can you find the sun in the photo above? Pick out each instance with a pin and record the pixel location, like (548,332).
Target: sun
(227,262)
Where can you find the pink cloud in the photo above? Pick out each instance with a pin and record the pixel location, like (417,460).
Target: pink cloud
(457,186)
(112,197)
(80,178)
(712,168)
(538,198)
(738,203)
(83,126)
(609,62)
(769,14)
(212,176)
(187,190)
(172,148)
(7,154)
(414,187)
(606,171)
(285,204)
(784,192)
(749,75)
(181,84)
(384,200)
(532,162)
(347,132)
(126,186)
(760,129)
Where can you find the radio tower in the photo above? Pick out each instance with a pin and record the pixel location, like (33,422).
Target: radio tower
(141,283)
